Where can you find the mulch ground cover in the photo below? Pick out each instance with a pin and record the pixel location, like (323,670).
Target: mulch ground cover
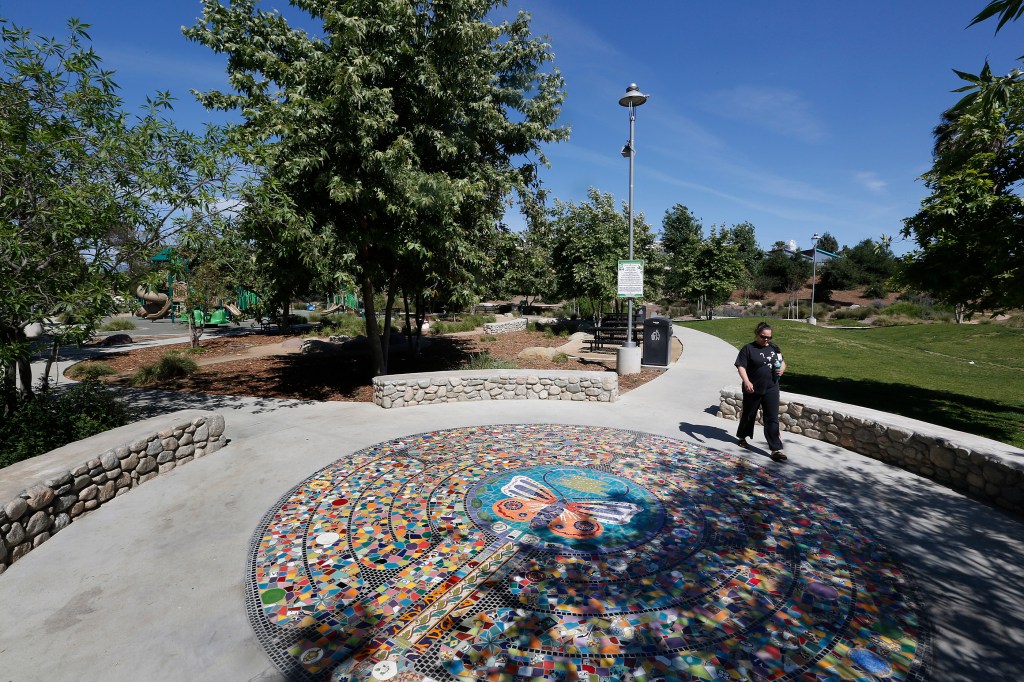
(241,370)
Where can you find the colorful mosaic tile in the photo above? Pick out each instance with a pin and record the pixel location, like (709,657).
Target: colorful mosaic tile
(550,552)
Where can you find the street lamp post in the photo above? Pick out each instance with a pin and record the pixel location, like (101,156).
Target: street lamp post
(628,361)
(814,276)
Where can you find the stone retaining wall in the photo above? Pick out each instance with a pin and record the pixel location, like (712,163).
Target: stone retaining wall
(405,390)
(515,325)
(47,507)
(985,468)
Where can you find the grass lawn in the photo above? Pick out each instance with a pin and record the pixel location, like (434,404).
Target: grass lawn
(921,371)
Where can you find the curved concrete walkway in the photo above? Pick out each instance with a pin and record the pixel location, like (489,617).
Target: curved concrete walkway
(152,586)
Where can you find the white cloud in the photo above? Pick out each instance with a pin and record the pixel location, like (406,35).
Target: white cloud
(202,71)
(871,182)
(776,109)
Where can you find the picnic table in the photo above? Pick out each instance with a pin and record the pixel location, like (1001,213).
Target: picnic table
(614,333)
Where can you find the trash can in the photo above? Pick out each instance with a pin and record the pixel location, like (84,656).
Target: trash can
(657,345)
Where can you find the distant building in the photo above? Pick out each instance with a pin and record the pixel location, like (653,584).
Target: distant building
(808,254)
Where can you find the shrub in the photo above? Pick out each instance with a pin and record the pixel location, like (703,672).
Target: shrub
(59,416)
(860,313)
(904,309)
(1014,321)
(171,366)
(803,310)
(90,371)
(941,315)
(488,338)
(876,290)
(896,320)
(467,324)
(485,361)
(560,358)
(341,324)
(117,324)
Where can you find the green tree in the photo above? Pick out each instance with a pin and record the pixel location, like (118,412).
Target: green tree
(780,271)
(286,255)
(524,265)
(868,265)
(680,230)
(828,243)
(749,252)
(706,270)
(589,240)
(394,131)
(681,233)
(1008,10)
(85,191)
(711,270)
(969,232)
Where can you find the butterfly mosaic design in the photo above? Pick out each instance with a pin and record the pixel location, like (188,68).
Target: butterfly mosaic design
(531,502)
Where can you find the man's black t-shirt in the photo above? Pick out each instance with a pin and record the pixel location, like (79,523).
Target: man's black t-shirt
(758,361)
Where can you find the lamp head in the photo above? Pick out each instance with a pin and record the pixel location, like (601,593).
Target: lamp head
(633,96)
(627,149)
(815,237)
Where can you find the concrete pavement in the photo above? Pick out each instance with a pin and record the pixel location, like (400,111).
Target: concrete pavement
(152,586)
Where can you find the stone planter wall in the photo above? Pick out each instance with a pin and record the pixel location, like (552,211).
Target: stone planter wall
(984,468)
(49,506)
(405,390)
(515,325)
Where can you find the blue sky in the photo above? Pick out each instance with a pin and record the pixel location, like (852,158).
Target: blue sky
(797,116)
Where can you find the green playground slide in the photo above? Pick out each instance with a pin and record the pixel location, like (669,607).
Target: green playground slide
(217,316)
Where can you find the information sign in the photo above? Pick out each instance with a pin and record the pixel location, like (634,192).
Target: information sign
(631,279)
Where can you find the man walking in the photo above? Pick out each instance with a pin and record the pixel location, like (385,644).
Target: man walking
(760,365)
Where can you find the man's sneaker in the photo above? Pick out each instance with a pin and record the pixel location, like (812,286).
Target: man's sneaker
(779,456)
(743,443)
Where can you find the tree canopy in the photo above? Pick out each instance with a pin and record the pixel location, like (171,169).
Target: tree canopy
(970,230)
(706,270)
(828,242)
(780,271)
(85,190)
(1007,10)
(393,135)
(589,239)
(868,265)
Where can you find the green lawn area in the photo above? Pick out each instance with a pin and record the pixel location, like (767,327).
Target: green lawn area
(920,371)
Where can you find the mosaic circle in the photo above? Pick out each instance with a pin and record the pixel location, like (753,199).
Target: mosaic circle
(551,552)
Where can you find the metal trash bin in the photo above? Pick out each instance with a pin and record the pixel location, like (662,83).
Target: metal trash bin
(657,345)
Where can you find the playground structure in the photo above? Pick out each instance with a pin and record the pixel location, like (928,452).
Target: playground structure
(155,305)
(344,302)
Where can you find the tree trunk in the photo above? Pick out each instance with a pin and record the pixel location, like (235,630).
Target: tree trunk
(421,318)
(380,367)
(25,375)
(10,389)
(408,320)
(50,360)
(386,332)
(196,331)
